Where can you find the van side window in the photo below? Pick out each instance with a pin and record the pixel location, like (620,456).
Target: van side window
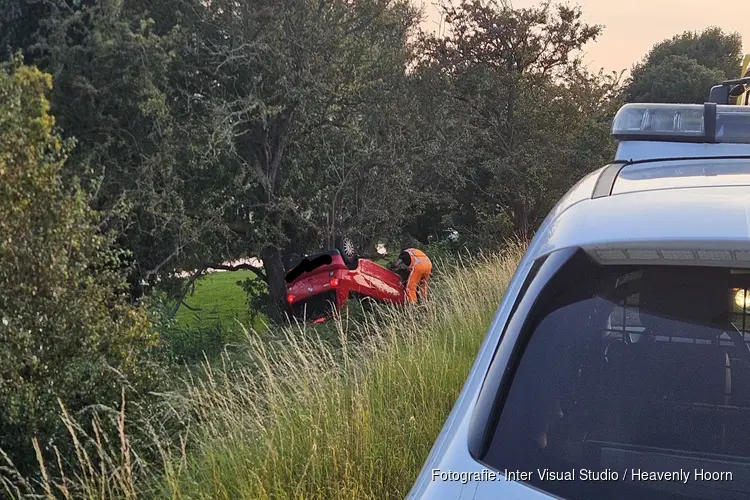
(633,369)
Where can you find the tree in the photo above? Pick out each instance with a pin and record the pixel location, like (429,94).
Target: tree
(111,93)
(68,330)
(676,79)
(684,68)
(509,107)
(23,24)
(18,25)
(369,185)
(282,100)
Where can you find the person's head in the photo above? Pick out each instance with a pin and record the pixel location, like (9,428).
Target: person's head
(404,258)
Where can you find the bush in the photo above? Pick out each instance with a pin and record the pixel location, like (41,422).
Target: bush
(257,298)
(183,344)
(68,333)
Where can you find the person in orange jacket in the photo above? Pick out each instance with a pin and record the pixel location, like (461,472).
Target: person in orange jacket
(420,270)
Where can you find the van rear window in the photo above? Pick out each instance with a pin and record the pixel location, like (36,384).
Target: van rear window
(634,383)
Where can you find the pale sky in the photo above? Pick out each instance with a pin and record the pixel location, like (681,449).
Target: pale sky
(632,27)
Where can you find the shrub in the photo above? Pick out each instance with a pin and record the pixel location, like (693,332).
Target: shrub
(257,298)
(183,344)
(68,334)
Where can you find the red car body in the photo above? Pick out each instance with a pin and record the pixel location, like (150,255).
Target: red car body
(320,292)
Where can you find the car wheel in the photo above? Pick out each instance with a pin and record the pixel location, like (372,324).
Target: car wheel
(348,251)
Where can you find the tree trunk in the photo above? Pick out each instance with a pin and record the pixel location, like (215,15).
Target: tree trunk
(137,290)
(274,267)
(521,219)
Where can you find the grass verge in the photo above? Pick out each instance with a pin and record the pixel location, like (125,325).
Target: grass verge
(218,300)
(296,418)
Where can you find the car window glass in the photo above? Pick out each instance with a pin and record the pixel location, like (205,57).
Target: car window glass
(634,370)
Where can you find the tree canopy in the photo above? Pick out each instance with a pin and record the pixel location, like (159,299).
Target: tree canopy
(683,68)
(211,131)
(512,92)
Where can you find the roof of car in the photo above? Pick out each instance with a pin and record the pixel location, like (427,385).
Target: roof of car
(683,201)
(712,213)
(679,174)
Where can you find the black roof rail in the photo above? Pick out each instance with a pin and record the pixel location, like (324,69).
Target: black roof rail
(720,93)
(738,81)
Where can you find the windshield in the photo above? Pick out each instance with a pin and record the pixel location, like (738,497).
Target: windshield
(637,382)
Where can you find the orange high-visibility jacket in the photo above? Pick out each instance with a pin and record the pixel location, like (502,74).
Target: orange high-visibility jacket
(420,269)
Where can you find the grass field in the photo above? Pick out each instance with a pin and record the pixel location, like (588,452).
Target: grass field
(298,419)
(218,300)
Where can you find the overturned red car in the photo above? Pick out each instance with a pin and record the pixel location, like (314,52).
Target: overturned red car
(319,285)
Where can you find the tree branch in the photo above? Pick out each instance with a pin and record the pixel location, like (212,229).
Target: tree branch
(280,145)
(288,206)
(163,263)
(240,228)
(177,251)
(188,307)
(249,267)
(188,286)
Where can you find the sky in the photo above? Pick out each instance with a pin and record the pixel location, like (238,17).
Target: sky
(632,27)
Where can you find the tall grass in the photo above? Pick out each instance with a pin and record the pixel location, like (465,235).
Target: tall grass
(296,417)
